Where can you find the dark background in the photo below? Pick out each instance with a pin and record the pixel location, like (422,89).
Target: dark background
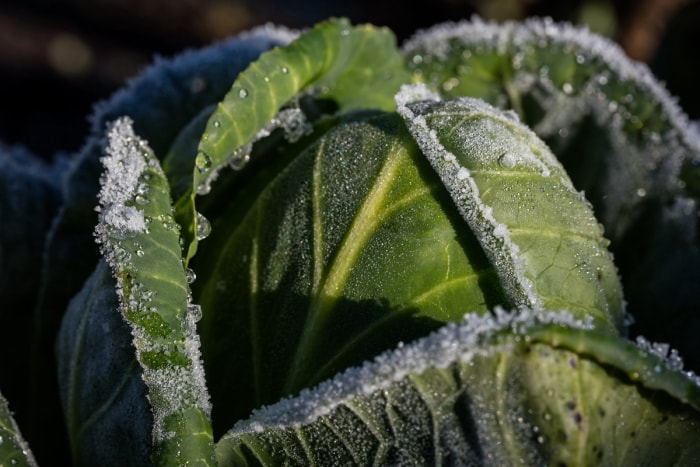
(59,57)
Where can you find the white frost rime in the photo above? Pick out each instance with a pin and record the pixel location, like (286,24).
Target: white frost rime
(455,342)
(124,163)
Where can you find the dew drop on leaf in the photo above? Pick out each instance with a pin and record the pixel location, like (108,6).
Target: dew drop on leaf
(507,160)
(202,161)
(243,93)
(239,160)
(203,227)
(195,311)
(190,275)
(285,70)
(203,188)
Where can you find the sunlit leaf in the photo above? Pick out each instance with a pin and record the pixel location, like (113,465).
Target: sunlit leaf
(354,67)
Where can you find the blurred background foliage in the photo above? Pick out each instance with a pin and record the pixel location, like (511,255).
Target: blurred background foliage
(58,57)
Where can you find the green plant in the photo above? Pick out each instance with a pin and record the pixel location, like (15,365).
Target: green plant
(347,201)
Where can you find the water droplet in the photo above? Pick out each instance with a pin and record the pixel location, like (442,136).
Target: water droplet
(203,227)
(195,311)
(580,59)
(507,160)
(167,223)
(641,192)
(204,188)
(417,59)
(239,160)
(142,200)
(216,124)
(243,93)
(190,275)
(285,70)
(140,253)
(266,79)
(202,161)
(567,88)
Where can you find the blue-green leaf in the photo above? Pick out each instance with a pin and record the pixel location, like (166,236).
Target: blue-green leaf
(103,396)
(29,200)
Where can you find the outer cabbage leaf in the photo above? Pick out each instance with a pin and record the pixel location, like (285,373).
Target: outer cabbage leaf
(29,199)
(103,396)
(503,389)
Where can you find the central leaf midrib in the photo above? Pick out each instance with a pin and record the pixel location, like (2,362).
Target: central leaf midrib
(329,287)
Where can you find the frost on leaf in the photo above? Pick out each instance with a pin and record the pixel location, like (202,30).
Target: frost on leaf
(617,130)
(138,238)
(492,234)
(496,389)
(123,163)
(451,343)
(538,231)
